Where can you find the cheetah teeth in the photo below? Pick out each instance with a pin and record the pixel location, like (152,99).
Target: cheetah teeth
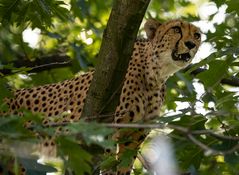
(184,57)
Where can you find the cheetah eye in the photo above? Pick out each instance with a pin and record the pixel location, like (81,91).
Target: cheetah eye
(177,29)
(197,35)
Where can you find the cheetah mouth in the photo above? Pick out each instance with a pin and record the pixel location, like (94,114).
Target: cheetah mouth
(181,57)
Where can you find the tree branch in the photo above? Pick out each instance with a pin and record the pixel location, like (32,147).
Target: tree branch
(189,134)
(151,126)
(210,151)
(232,81)
(39,64)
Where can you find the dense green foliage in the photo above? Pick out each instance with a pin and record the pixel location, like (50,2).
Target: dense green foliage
(75,28)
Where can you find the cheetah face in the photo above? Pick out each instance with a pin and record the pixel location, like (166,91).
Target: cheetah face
(175,42)
(184,46)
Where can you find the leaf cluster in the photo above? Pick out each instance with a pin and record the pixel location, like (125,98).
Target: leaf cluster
(37,13)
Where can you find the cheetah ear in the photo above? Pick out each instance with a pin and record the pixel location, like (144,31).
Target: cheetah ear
(150,27)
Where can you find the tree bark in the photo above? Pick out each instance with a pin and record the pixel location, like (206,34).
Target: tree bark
(39,64)
(117,45)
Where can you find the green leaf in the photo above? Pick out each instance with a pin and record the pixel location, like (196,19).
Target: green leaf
(109,163)
(188,154)
(12,127)
(216,72)
(78,158)
(5,92)
(232,6)
(126,157)
(93,133)
(232,159)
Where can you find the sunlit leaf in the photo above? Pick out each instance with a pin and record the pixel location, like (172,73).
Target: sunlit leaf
(78,158)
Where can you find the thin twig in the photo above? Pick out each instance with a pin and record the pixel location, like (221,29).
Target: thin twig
(179,128)
(143,161)
(40,64)
(51,64)
(150,126)
(190,134)
(153,126)
(212,133)
(232,81)
(210,151)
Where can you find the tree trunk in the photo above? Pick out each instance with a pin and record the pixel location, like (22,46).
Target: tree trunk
(112,62)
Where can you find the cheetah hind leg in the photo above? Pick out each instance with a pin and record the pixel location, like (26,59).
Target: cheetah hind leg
(131,145)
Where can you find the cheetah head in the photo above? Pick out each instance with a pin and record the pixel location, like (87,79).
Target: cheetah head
(174,43)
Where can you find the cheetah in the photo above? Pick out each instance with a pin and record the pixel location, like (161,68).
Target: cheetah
(168,48)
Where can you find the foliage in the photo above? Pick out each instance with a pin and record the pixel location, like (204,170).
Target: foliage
(75,28)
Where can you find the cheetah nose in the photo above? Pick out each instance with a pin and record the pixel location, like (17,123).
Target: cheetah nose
(190,44)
